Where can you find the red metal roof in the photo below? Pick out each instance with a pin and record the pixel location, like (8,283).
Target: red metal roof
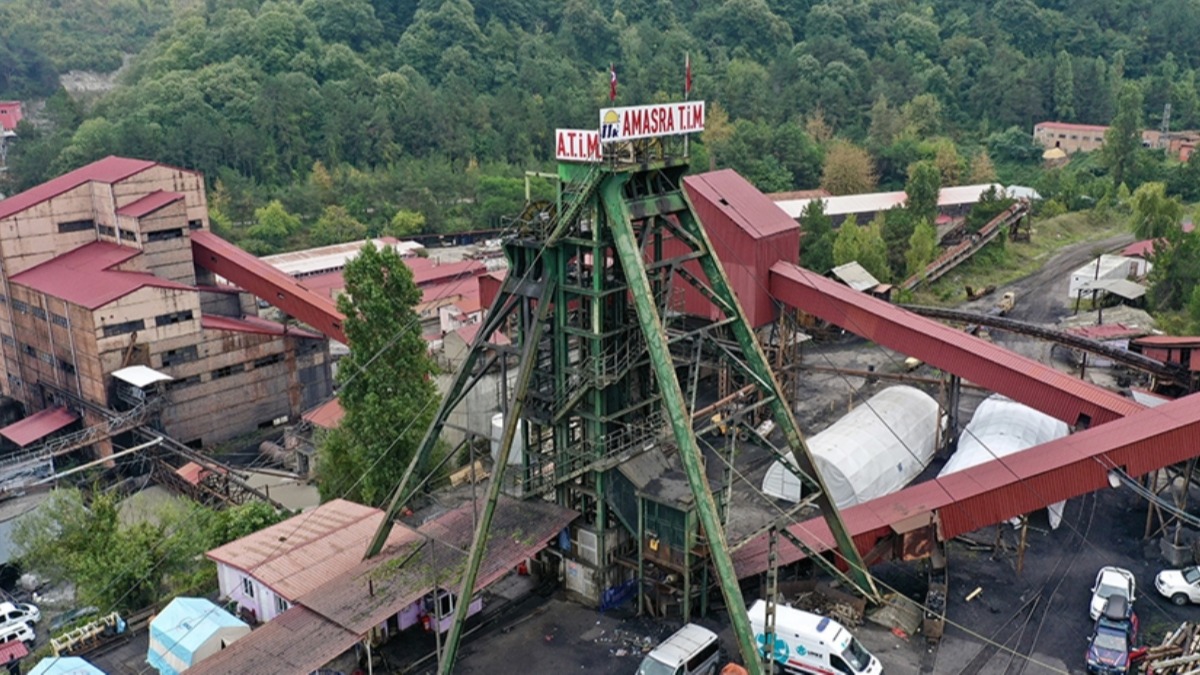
(1139,249)
(108,170)
(297,641)
(38,425)
(469,331)
(254,324)
(1067,126)
(149,204)
(12,651)
(84,276)
(1106,331)
(220,257)
(327,415)
(1022,379)
(746,207)
(330,620)
(1168,341)
(10,114)
(304,552)
(194,473)
(426,271)
(996,491)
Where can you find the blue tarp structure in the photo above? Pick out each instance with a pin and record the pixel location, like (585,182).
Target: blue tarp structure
(65,665)
(187,631)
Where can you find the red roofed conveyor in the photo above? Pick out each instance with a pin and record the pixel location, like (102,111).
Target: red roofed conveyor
(1122,433)
(239,267)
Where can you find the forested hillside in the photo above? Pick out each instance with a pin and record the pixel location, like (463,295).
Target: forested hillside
(349,112)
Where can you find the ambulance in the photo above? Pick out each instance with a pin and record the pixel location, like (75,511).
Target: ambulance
(811,644)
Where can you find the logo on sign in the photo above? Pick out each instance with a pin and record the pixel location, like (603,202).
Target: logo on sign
(610,126)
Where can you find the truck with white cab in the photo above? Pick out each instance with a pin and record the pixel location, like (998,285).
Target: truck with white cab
(811,643)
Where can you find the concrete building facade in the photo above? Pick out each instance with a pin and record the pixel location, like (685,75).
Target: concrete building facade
(98,275)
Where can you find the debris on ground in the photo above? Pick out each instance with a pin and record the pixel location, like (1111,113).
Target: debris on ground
(1178,653)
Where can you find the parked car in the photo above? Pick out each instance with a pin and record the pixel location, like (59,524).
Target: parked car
(1181,586)
(1113,638)
(22,612)
(1112,581)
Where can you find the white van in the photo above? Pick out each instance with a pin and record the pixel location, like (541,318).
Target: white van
(810,643)
(18,631)
(692,650)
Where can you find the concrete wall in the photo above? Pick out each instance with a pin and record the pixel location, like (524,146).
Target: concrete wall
(1069,140)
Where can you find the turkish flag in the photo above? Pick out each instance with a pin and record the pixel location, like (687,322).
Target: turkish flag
(612,82)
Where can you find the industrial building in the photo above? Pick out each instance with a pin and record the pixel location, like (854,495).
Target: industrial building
(953,202)
(99,275)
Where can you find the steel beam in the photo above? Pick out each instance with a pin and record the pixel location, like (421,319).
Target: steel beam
(675,407)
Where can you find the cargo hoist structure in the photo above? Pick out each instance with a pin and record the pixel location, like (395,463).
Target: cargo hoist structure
(587,302)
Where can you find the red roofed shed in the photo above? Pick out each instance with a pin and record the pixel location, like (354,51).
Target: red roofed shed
(10,115)
(38,425)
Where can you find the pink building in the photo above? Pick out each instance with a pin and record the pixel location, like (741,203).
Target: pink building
(10,114)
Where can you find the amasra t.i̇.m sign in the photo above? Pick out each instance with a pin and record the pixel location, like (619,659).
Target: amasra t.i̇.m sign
(645,121)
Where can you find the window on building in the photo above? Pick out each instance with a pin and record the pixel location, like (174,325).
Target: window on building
(38,312)
(128,235)
(195,224)
(164,235)
(268,360)
(28,349)
(19,306)
(58,320)
(174,357)
(66,366)
(7,340)
(76,226)
(281,605)
(181,384)
(227,371)
(14,382)
(46,357)
(106,230)
(3,299)
(173,318)
(248,587)
(124,327)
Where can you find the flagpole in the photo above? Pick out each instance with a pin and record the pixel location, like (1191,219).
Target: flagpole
(687,91)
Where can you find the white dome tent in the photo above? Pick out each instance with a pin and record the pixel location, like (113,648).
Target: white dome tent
(873,451)
(1002,427)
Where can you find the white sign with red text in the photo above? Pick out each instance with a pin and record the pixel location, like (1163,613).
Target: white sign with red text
(577,145)
(645,121)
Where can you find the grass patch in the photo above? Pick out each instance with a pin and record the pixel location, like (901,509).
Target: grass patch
(1001,263)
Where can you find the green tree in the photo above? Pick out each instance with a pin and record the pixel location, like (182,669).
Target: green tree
(847,246)
(273,224)
(922,248)
(948,162)
(386,382)
(922,189)
(405,224)
(336,226)
(1124,136)
(816,244)
(1064,87)
(1154,213)
(848,170)
(1175,274)
(874,252)
(982,169)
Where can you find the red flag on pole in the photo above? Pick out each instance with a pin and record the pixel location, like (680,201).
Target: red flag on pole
(687,77)
(612,82)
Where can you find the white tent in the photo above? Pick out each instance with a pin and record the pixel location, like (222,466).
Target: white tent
(873,451)
(1001,427)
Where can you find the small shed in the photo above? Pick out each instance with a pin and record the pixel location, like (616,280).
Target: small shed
(65,665)
(187,631)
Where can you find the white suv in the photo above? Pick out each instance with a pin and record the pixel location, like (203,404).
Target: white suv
(19,612)
(1181,586)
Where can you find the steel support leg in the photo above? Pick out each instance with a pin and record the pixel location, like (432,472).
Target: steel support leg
(675,407)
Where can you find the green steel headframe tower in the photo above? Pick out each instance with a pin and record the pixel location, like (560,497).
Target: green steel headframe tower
(586,299)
